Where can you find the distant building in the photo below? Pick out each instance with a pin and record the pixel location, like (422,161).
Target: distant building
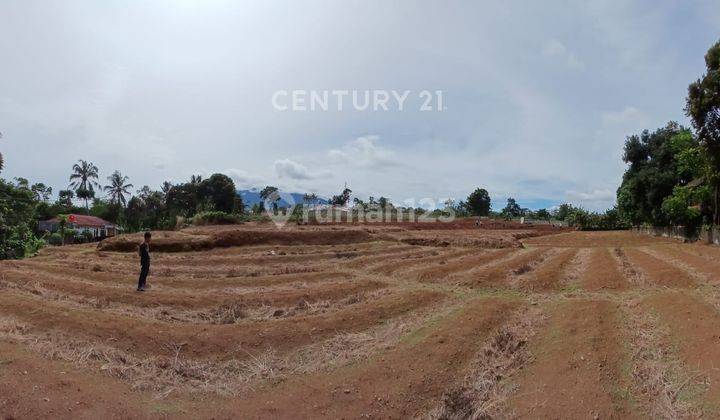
(98,227)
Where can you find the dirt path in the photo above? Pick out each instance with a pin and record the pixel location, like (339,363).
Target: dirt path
(577,372)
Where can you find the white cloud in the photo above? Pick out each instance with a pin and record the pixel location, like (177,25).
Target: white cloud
(629,114)
(243,179)
(557,50)
(287,168)
(364,152)
(596,199)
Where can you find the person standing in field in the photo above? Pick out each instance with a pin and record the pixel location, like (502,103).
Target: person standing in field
(144,252)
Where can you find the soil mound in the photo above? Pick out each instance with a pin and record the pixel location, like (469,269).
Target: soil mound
(183,242)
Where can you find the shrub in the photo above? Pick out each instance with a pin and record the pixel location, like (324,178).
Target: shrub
(87,236)
(55,238)
(216,218)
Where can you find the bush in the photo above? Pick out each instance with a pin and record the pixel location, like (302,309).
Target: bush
(86,236)
(216,218)
(55,238)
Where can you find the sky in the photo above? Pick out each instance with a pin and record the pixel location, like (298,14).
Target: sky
(537,97)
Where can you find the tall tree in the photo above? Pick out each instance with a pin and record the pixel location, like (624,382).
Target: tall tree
(268,192)
(41,191)
(83,181)
(341,199)
(479,202)
(219,190)
(512,208)
(655,168)
(703,108)
(65,198)
(2,162)
(118,188)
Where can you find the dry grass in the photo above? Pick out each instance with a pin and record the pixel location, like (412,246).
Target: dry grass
(631,273)
(658,377)
(228,313)
(173,372)
(485,389)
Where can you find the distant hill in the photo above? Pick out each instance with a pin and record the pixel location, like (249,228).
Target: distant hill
(252,196)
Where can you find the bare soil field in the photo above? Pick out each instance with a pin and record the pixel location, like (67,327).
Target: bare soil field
(364,321)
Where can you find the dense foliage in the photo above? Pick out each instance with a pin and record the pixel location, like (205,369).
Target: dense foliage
(478,202)
(703,108)
(661,164)
(17,221)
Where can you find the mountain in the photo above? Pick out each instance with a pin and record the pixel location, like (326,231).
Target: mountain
(252,196)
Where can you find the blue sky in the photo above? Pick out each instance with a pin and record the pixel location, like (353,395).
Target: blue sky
(539,96)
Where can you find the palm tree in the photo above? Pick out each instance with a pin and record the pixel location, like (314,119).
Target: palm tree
(118,188)
(84,180)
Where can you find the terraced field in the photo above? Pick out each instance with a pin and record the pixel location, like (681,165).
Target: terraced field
(343,322)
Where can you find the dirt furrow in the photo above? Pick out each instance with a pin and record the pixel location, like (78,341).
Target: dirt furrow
(657,271)
(219,341)
(577,370)
(707,268)
(603,273)
(193,283)
(398,252)
(439,271)
(392,385)
(549,274)
(496,275)
(432,257)
(694,330)
(186,299)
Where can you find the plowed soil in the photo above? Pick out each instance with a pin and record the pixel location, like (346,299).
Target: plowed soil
(364,321)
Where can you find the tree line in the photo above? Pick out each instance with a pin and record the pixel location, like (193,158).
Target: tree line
(673,173)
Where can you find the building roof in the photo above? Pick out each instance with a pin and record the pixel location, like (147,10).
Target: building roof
(84,221)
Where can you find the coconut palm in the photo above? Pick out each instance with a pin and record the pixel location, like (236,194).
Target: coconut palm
(84,180)
(118,188)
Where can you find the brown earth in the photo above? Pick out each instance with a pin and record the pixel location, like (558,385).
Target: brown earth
(383,321)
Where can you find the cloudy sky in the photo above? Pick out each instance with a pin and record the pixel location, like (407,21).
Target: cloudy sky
(538,96)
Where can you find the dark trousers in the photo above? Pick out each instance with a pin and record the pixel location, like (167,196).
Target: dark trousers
(144,270)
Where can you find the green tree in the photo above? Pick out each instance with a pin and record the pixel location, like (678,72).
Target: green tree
(269,193)
(17,221)
(83,181)
(542,214)
(42,192)
(478,202)
(512,209)
(703,108)
(118,188)
(343,198)
(220,191)
(679,208)
(65,198)
(658,162)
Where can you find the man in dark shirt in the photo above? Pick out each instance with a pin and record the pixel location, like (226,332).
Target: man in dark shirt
(144,252)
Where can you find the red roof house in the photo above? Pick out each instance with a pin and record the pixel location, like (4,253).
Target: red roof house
(81,223)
